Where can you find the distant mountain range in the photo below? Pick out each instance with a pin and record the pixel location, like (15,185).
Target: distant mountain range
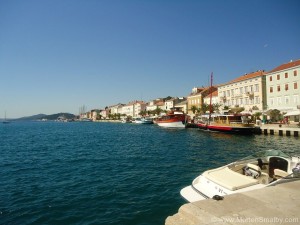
(46,117)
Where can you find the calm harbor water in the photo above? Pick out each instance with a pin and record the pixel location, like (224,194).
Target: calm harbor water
(109,173)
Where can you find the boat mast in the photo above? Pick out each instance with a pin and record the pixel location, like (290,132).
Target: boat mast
(210,100)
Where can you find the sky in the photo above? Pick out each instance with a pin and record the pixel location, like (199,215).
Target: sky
(58,55)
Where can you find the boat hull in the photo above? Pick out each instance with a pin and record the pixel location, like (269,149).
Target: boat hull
(171,124)
(228,129)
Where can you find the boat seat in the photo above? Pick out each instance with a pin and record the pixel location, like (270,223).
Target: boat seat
(263,178)
(278,173)
(253,170)
(229,179)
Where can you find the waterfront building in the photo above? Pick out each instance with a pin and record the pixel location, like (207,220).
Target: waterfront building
(116,109)
(133,109)
(104,113)
(170,103)
(182,105)
(94,114)
(283,91)
(246,91)
(214,98)
(196,98)
(154,104)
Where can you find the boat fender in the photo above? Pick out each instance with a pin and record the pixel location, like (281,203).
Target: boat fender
(217,197)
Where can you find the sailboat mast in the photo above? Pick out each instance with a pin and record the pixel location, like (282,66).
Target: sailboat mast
(210,100)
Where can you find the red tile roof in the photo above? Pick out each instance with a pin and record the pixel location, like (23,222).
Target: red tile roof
(258,73)
(286,66)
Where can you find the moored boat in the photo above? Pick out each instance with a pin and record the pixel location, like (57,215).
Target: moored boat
(174,119)
(143,121)
(257,171)
(236,123)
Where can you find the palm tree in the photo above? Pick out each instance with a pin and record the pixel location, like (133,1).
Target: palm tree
(157,111)
(204,107)
(193,108)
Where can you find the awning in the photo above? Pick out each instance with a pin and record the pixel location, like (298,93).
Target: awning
(293,113)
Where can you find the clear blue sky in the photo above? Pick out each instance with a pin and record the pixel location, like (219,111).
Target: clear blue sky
(57,55)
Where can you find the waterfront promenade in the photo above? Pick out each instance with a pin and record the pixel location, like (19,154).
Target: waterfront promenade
(271,205)
(280,129)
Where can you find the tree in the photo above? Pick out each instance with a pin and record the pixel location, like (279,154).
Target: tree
(143,113)
(257,115)
(275,114)
(157,111)
(204,107)
(193,108)
(236,109)
(216,107)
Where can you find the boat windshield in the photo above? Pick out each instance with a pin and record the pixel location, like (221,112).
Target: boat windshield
(265,154)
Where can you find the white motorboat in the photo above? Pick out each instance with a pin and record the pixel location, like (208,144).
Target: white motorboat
(143,121)
(257,171)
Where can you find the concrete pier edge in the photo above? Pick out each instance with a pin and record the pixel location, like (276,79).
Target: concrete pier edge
(278,204)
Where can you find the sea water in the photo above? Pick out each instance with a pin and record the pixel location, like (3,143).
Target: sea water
(109,173)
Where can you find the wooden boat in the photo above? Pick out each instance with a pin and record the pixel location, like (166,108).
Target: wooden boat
(236,123)
(174,119)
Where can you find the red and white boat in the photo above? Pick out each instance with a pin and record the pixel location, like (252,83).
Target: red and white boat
(174,119)
(237,123)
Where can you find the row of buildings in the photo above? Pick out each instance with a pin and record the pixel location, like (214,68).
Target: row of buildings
(258,91)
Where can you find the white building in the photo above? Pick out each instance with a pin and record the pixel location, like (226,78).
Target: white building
(283,91)
(116,109)
(134,108)
(246,91)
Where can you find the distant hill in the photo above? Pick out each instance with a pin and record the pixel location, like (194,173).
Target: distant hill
(47,117)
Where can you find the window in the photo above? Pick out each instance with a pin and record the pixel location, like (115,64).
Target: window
(286,99)
(241,90)
(295,73)
(228,92)
(241,101)
(256,100)
(246,101)
(271,89)
(251,88)
(278,88)
(278,76)
(232,92)
(270,78)
(286,87)
(286,75)
(296,99)
(272,101)
(295,85)
(256,87)
(278,100)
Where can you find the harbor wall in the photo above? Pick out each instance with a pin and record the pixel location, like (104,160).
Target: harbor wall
(278,129)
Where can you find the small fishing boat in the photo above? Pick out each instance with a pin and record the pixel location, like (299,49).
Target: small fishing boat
(256,171)
(236,123)
(174,119)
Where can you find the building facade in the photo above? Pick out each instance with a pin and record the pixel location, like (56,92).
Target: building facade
(197,96)
(282,85)
(246,91)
